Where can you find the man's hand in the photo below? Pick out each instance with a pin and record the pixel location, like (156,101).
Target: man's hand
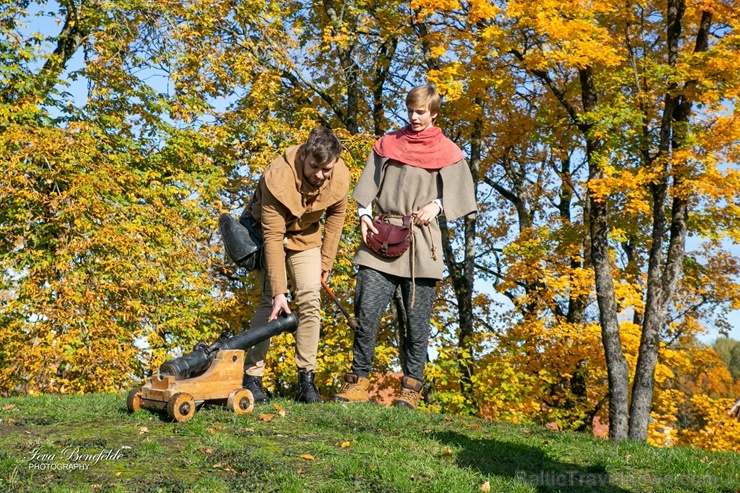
(366,224)
(325,275)
(279,303)
(426,214)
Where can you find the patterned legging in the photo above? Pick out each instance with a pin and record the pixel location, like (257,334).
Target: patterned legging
(372,296)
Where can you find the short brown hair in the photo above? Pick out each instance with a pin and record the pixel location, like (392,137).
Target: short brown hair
(425,95)
(323,145)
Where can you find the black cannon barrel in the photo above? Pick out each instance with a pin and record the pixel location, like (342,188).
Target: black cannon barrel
(248,338)
(198,361)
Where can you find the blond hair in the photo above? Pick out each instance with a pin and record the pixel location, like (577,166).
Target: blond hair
(425,95)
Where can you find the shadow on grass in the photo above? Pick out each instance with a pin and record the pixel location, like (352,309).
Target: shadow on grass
(528,465)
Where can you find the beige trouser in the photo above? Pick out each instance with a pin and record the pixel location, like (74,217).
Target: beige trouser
(304,269)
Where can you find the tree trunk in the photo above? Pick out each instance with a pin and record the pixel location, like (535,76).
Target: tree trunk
(386,53)
(68,42)
(616,364)
(462,273)
(576,304)
(662,280)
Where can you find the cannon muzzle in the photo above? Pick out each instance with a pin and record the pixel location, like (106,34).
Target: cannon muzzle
(198,361)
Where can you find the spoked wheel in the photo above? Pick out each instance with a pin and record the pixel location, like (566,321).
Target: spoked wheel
(241,401)
(181,407)
(133,401)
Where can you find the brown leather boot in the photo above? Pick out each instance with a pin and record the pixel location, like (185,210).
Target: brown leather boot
(410,393)
(353,390)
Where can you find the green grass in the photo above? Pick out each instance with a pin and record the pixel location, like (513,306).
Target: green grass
(385,450)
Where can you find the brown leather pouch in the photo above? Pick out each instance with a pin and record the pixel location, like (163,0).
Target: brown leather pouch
(392,240)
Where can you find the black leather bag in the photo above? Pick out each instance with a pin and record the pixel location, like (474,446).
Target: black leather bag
(242,243)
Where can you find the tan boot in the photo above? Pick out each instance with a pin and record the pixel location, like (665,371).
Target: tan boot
(354,389)
(410,393)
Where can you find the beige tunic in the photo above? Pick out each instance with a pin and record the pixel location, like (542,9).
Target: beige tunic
(400,189)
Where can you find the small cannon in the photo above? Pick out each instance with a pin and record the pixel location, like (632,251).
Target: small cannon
(209,373)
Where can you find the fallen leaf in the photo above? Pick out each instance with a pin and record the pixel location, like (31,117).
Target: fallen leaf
(217,427)
(208,451)
(447,452)
(267,417)
(300,471)
(143,430)
(118,474)
(307,456)
(279,409)
(249,430)
(343,444)
(485,486)
(210,431)
(552,426)
(8,407)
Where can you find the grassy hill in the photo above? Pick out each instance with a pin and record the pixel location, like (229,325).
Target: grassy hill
(90,443)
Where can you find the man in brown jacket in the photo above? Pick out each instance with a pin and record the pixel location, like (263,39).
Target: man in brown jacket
(309,182)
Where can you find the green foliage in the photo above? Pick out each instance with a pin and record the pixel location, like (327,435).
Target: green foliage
(729,351)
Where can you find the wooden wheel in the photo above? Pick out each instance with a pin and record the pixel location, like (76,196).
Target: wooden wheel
(133,401)
(241,401)
(181,407)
